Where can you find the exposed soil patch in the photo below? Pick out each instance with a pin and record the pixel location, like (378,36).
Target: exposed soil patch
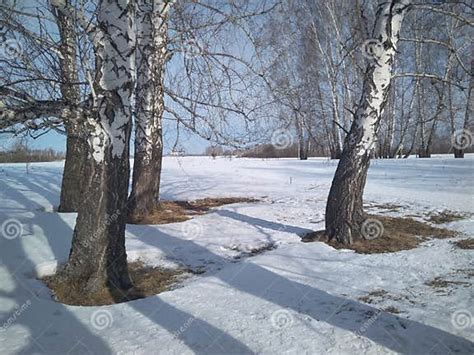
(380,295)
(391,309)
(438,282)
(373,294)
(446,217)
(180,211)
(397,234)
(465,244)
(389,207)
(255,251)
(147,281)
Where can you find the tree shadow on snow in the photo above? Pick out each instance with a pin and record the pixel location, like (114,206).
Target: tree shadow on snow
(393,332)
(44,183)
(35,330)
(48,335)
(49,331)
(258,222)
(198,335)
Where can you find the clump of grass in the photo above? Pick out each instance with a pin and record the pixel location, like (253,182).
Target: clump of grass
(391,309)
(439,282)
(446,217)
(390,207)
(398,234)
(180,211)
(369,298)
(465,244)
(147,281)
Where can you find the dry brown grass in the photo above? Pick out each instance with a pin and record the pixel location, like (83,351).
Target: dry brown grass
(147,281)
(399,234)
(392,309)
(180,211)
(390,207)
(373,294)
(465,244)
(446,217)
(438,282)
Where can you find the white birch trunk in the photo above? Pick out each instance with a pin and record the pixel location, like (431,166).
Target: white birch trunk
(151,60)
(344,211)
(76,149)
(98,260)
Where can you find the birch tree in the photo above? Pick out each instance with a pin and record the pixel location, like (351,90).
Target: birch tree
(76,149)
(42,90)
(151,57)
(462,138)
(465,136)
(344,210)
(98,259)
(315,57)
(206,82)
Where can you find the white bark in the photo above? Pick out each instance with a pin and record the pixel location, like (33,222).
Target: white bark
(151,55)
(151,58)
(114,81)
(386,31)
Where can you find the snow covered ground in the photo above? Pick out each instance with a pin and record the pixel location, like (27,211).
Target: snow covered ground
(295,299)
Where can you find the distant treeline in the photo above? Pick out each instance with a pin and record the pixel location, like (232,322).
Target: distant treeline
(270,151)
(439,146)
(265,151)
(20,153)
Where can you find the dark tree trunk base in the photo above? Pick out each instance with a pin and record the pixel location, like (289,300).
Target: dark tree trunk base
(336,154)
(344,209)
(81,289)
(458,153)
(145,196)
(98,260)
(73,175)
(424,153)
(141,275)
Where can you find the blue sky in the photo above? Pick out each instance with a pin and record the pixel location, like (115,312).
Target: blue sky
(189,141)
